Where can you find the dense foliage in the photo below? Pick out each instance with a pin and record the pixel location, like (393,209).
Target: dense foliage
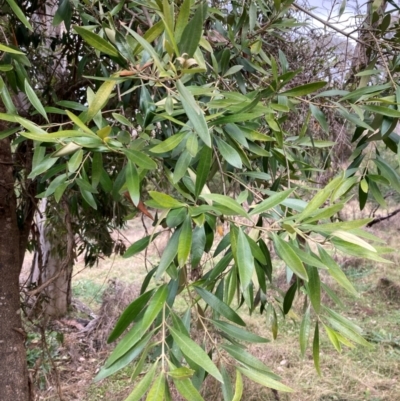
(189,108)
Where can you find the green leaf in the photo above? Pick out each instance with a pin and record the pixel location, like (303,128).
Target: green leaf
(165,201)
(30,93)
(125,360)
(185,241)
(305,332)
(227,202)
(96,41)
(141,388)
(247,359)
(169,254)
(333,338)
(271,201)
(75,161)
(289,256)
(226,386)
(314,288)
(169,144)
(137,331)
(157,390)
(100,99)
(133,182)
(238,387)
(388,172)
(194,113)
(365,90)
(43,166)
(88,197)
(181,166)
(353,239)
(244,260)
(145,43)
(129,315)
(289,297)
(183,18)
(316,349)
(181,373)
(238,333)
(347,332)
(384,111)
(335,271)
(195,353)
(203,169)
(229,153)
(191,34)
(77,121)
(219,306)
(7,49)
(320,198)
(139,245)
(20,15)
(329,228)
(320,117)
(264,379)
(187,390)
(140,159)
(304,89)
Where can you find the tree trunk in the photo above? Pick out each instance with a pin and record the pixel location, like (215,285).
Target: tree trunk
(53,260)
(52,263)
(14,384)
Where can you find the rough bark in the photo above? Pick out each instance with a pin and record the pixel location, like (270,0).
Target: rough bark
(14,384)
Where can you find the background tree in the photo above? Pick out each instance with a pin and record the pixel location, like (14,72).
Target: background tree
(187,110)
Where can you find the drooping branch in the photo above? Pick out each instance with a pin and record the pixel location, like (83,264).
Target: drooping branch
(379,219)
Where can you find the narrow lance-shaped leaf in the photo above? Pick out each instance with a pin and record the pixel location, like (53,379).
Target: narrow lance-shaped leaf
(96,41)
(141,387)
(132,182)
(227,202)
(289,297)
(238,333)
(314,288)
(244,260)
(169,254)
(305,331)
(20,15)
(129,315)
(320,117)
(264,379)
(139,245)
(101,98)
(238,387)
(192,32)
(185,241)
(194,113)
(35,100)
(335,271)
(157,390)
(316,349)
(304,89)
(203,169)
(271,201)
(289,256)
(134,334)
(219,306)
(195,353)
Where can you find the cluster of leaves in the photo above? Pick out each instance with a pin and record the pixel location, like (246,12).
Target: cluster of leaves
(195,127)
